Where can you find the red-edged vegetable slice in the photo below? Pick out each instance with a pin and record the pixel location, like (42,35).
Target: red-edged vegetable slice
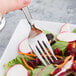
(17,70)
(68,37)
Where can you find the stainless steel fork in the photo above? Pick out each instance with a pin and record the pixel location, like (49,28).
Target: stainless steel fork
(38,41)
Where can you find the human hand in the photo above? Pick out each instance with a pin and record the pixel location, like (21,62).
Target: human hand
(11,5)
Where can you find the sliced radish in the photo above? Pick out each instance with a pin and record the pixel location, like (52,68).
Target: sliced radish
(68,73)
(65,68)
(24,46)
(69,37)
(65,28)
(17,70)
(46,70)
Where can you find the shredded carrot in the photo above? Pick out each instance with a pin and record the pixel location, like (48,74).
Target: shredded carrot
(48,51)
(51,54)
(65,61)
(72,58)
(52,72)
(30,57)
(31,52)
(27,54)
(75,61)
(56,65)
(56,56)
(50,41)
(59,57)
(70,67)
(27,64)
(74,44)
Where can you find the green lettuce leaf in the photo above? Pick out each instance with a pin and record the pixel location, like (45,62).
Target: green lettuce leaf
(61,45)
(74,31)
(37,70)
(45,32)
(47,70)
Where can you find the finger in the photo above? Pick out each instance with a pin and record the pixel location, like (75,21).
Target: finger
(18,4)
(22,3)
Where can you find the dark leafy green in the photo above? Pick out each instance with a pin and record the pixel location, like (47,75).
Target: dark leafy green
(46,70)
(37,70)
(61,45)
(74,31)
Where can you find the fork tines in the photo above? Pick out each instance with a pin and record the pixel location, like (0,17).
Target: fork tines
(39,45)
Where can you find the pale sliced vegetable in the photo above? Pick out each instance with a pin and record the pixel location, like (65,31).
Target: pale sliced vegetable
(46,70)
(65,68)
(69,37)
(17,70)
(65,28)
(24,46)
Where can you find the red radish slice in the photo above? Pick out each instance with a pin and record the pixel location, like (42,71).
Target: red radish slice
(65,68)
(65,28)
(24,46)
(66,36)
(17,70)
(46,70)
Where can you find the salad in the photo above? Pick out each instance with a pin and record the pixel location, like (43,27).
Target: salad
(28,64)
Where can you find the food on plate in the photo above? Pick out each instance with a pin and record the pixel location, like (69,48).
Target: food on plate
(65,28)
(28,64)
(24,46)
(74,31)
(60,71)
(17,70)
(68,37)
(45,71)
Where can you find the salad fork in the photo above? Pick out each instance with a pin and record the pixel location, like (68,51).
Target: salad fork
(38,41)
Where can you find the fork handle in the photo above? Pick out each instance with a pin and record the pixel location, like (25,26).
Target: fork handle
(27,15)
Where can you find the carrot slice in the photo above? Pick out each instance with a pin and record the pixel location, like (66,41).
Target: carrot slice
(59,57)
(30,57)
(52,72)
(50,41)
(31,52)
(72,58)
(65,61)
(51,54)
(56,56)
(56,65)
(27,54)
(48,51)
(74,44)
(75,61)
(27,64)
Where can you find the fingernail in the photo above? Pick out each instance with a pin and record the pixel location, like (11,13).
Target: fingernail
(26,1)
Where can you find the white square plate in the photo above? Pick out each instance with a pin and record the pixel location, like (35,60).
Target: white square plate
(21,32)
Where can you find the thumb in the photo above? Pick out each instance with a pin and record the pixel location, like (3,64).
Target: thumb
(22,3)
(18,4)
(11,5)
